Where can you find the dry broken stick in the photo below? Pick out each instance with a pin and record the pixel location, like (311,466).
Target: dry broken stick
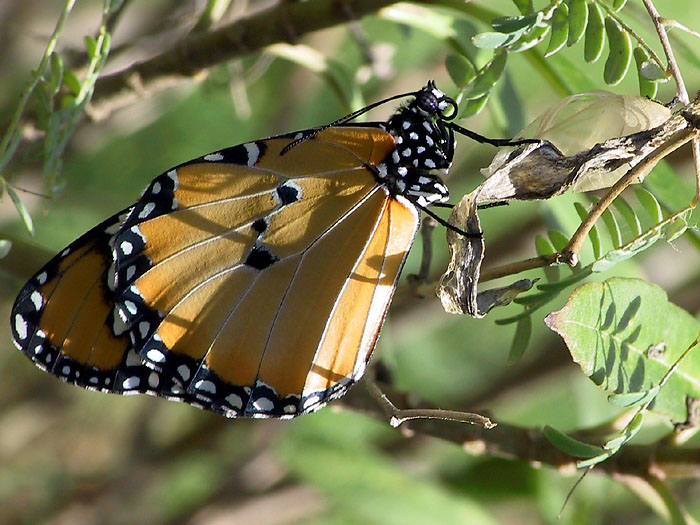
(541,171)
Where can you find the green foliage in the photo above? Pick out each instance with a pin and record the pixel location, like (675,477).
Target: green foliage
(567,23)
(626,336)
(505,64)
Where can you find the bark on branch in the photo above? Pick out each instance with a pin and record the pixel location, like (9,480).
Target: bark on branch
(283,22)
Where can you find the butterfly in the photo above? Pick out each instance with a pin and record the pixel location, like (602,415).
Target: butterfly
(252,281)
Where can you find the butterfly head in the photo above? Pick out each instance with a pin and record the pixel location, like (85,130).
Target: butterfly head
(433,103)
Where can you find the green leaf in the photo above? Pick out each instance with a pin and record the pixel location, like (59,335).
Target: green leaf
(647,88)
(620,54)
(460,68)
(21,208)
(630,399)
(5,247)
(631,430)
(569,445)
(613,229)
(487,76)
(514,24)
(594,234)
(669,230)
(578,17)
(473,107)
(613,331)
(617,5)
(530,40)
(651,205)
(72,82)
(493,40)
(523,331)
(559,240)
(629,215)
(56,77)
(595,35)
(544,246)
(91,46)
(560,30)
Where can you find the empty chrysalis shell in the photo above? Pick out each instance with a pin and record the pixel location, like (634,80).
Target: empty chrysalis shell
(580,121)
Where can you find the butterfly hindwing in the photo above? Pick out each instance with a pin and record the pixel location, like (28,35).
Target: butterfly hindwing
(64,320)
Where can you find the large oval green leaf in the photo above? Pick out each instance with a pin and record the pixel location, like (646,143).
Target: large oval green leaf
(625,335)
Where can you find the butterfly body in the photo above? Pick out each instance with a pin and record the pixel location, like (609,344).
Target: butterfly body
(253,281)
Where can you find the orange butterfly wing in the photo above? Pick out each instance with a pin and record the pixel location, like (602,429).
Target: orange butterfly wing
(247,282)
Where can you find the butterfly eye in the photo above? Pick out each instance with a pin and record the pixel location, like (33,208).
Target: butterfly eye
(427,102)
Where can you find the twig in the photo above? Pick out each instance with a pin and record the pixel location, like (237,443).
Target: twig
(187,58)
(398,416)
(13,134)
(570,252)
(528,444)
(681,91)
(521,266)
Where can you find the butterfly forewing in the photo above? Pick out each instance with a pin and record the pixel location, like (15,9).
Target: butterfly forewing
(227,286)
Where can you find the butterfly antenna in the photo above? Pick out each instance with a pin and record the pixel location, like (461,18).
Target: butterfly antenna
(440,220)
(485,140)
(343,120)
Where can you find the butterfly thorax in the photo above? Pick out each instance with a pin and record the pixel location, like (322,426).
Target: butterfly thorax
(424,149)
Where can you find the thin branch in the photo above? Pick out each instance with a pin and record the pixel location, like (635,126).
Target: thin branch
(676,72)
(529,444)
(189,57)
(397,416)
(570,252)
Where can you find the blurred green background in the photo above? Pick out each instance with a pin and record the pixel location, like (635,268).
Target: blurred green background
(69,456)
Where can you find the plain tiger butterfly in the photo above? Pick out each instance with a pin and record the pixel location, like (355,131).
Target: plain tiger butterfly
(253,281)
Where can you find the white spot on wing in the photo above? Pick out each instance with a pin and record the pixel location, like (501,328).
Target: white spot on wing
(213,157)
(37,300)
(20,327)
(131,382)
(126,247)
(234,400)
(205,386)
(263,403)
(131,307)
(147,210)
(173,176)
(144,327)
(155,190)
(41,278)
(155,355)
(153,379)
(253,152)
(184,372)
